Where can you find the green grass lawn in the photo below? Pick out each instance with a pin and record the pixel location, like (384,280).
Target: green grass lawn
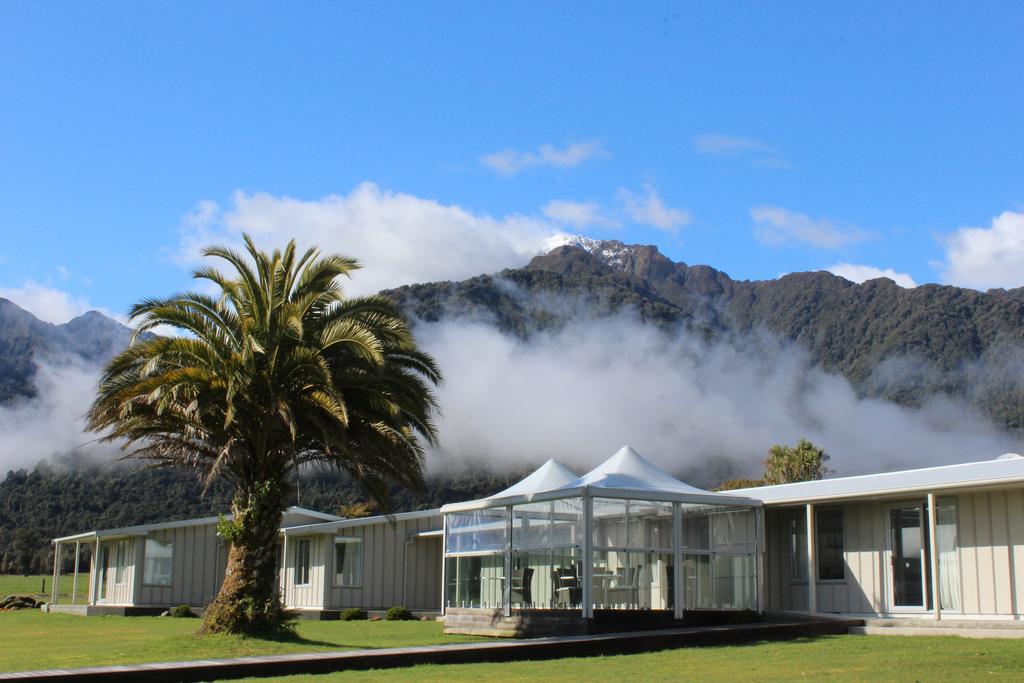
(12,584)
(32,640)
(830,658)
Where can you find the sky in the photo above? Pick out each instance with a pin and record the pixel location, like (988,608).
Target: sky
(442,140)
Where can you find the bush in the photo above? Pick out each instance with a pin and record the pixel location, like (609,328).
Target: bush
(181,611)
(353,614)
(399,613)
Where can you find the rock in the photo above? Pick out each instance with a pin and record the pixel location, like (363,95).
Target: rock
(14,602)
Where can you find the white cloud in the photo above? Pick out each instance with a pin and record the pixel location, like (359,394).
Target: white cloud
(50,304)
(777,226)
(510,161)
(649,209)
(983,258)
(53,421)
(759,154)
(860,273)
(685,402)
(399,238)
(579,214)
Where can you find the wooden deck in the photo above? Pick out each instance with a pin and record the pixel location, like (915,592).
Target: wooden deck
(491,651)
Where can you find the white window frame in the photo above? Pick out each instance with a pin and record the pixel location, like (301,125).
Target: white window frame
(146,577)
(308,545)
(348,541)
(121,563)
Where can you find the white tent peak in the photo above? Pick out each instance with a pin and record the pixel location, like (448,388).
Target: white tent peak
(549,476)
(627,469)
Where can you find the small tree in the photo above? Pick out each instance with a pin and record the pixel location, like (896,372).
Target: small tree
(789,464)
(356,510)
(734,484)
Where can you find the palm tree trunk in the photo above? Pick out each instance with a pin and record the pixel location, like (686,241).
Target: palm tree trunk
(248,601)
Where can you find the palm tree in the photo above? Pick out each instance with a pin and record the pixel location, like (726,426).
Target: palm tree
(278,372)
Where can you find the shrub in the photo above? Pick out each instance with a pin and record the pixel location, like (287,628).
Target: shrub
(399,613)
(181,611)
(353,614)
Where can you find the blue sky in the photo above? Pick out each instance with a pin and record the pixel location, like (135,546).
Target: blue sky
(439,140)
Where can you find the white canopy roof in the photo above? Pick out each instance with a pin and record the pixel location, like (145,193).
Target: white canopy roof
(626,474)
(1006,469)
(550,475)
(627,469)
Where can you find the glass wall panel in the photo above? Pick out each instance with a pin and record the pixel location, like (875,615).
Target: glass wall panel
(733,531)
(735,586)
(696,528)
(609,520)
(697,581)
(476,530)
(650,525)
(531,525)
(632,580)
(946,546)
(551,523)
(567,521)
(475,581)
(547,579)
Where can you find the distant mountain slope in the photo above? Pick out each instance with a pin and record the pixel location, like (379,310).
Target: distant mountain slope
(91,337)
(900,344)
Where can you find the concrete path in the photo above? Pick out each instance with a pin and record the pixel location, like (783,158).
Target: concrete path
(491,651)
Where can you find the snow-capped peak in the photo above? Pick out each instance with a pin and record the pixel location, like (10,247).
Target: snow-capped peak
(610,252)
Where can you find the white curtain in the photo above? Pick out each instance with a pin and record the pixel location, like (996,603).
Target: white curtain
(949,563)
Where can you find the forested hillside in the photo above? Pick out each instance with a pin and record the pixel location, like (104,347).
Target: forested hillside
(51,501)
(903,345)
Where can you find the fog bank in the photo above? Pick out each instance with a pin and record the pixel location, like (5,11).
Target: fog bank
(706,410)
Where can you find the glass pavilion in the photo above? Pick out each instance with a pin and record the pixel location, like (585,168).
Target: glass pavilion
(621,537)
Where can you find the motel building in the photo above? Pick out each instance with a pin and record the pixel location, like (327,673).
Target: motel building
(623,546)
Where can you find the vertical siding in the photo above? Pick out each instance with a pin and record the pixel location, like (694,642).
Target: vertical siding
(389,577)
(1001,572)
(1015,522)
(864,554)
(990,537)
(968,554)
(198,561)
(991,528)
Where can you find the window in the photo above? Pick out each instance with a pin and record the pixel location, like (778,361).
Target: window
(829,526)
(797,547)
(348,561)
(302,562)
(158,562)
(120,561)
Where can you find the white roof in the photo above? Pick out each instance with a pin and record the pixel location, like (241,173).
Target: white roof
(1007,469)
(291,517)
(551,475)
(626,474)
(627,469)
(339,524)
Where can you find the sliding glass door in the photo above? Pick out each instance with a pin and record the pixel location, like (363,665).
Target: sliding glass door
(908,557)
